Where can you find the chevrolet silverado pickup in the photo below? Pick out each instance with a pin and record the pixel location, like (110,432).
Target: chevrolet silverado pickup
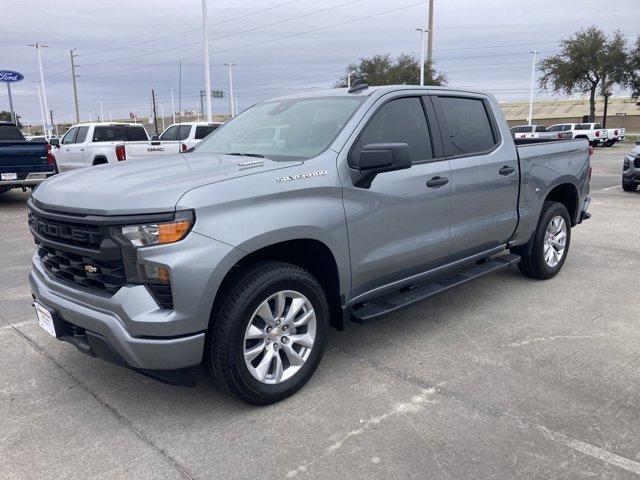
(90,144)
(22,163)
(238,257)
(631,170)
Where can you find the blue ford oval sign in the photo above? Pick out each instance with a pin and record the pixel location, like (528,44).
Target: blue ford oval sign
(9,76)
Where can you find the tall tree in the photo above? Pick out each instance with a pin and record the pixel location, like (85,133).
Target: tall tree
(385,70)
(586,60)
(632,79)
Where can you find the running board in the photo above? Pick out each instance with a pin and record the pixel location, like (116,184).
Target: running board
(387,303)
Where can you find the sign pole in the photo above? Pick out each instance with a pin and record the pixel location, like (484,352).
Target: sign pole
(13,115)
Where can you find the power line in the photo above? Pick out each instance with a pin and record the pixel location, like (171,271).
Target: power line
(262,42)
(192,44)
(196,29)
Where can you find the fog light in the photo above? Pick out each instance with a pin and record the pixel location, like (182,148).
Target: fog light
(157,273)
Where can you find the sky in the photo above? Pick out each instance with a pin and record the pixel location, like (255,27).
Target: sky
(126,48)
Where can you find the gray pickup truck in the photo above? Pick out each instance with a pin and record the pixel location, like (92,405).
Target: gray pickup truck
(302,212)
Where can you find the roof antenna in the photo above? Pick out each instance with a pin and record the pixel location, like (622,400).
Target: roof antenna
(357,86)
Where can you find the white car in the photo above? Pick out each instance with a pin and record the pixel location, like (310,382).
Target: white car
(180,137)
(87,144)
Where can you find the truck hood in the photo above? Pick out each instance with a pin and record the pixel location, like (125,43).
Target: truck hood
(147,185)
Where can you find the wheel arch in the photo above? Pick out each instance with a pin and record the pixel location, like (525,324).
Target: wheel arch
(311,254)
(100,160)
(567,194)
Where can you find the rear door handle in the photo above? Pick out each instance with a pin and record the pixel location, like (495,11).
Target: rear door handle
(437,182)
(506,170)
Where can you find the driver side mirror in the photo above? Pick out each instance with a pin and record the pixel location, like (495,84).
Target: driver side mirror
(375,158)
(55,142)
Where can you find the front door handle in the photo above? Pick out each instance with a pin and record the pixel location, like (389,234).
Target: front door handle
(506,170)
(437,182)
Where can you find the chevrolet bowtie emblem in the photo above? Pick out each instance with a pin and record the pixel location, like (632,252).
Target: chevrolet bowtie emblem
(90,269)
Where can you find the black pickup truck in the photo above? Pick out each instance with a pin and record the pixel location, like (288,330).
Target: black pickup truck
(22,163)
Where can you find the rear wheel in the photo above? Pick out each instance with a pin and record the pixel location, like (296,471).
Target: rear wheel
(544,257)
(629,186)
(268,333)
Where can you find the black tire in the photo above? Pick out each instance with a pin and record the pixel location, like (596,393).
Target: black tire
(245,291)
(532,263)
(629,186)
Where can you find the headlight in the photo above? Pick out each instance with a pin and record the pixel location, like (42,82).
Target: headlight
(627,161)
(159,233)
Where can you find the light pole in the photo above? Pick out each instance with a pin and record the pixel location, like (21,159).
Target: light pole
(44,121)
(430,31)
(173,108)
(48,132)
(232,107)
(533,79)
(101,111)
(422,31)
(207,74)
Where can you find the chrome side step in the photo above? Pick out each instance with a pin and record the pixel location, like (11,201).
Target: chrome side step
(389,302)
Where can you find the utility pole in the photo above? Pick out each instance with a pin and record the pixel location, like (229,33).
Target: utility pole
(162,115)
(155,116)
(75,88)
(173,108)
(533,80)
(232,107)
(101,111)
(422,33)
(430,30)
(53,124)
(44,90)
(606,96)
(14,119)
(207,74)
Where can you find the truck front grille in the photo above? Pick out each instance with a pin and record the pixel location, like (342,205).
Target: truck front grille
(636,162)
(84,254)
(84,271)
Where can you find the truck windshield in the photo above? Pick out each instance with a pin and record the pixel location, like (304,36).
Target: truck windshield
(10,132)
(525,129)
(299,128)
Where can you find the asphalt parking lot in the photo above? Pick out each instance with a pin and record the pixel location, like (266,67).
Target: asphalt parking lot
(505,377)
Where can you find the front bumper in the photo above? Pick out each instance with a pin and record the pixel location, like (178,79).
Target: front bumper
(129,328)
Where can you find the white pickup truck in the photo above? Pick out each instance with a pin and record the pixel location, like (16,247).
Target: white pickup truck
(593,132)
(87,144)
(538,131)
(180,137)
(614,135)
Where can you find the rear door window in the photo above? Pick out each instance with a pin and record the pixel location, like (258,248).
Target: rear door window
(523,129)
(10,132)
(136,134)
(540,129)
(467,125)
(204,130)
(183,132)
(400,121)
(81,136)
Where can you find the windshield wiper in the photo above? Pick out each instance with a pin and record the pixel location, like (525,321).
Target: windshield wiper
(240,154)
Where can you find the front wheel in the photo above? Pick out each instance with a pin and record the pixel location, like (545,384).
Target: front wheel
(545,255)
(629,186)
(268,333)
